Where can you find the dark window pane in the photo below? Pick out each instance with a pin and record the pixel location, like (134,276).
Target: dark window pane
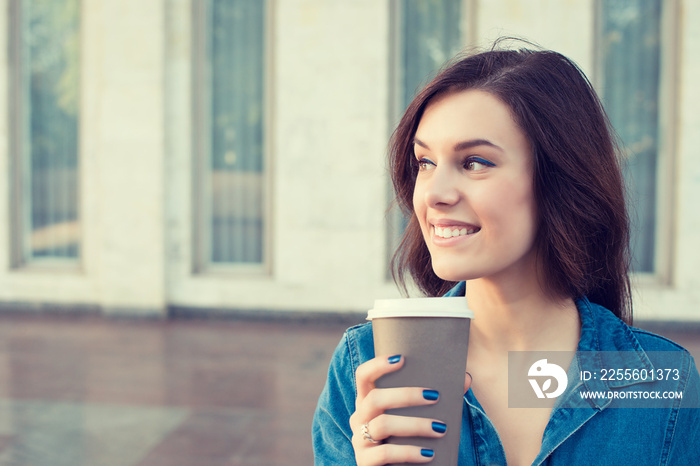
(47,128)
(631,65)
(235,52)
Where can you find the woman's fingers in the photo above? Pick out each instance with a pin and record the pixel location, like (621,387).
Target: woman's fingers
(365,377)
(370,453)
(380,399)
(368,373)
(387,425)
(391,454)
(370,424)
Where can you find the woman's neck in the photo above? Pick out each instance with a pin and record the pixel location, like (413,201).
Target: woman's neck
(521,317)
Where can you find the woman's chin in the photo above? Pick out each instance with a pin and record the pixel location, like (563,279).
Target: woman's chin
(452,274)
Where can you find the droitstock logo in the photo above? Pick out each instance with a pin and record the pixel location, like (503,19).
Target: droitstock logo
(542,370)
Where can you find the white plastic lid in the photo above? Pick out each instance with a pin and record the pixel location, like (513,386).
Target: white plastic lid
(421,307)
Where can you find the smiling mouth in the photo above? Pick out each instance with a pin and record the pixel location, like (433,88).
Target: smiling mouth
(451,232)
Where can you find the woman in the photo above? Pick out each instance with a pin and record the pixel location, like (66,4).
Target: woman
(506,165)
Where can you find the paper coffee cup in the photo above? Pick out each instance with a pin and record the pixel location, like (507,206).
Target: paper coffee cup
(432,334)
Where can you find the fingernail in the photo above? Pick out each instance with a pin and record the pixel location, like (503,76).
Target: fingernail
(431,395)
(394,359)
(439,427)
(427,453)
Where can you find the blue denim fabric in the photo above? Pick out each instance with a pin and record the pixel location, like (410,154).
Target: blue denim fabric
(594,433)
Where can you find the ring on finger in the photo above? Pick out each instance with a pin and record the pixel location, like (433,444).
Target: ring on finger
(366,435)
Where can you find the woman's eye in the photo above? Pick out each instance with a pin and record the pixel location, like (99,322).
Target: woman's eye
(477,163)
(425,164)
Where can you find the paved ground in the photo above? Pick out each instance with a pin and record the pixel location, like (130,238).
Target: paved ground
(92,391)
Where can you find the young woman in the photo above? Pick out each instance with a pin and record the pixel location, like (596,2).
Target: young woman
(506,164)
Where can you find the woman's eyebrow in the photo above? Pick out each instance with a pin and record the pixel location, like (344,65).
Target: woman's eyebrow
(474,143)
(462,145)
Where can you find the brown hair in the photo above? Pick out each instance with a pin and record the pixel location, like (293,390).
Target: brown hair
(583,226)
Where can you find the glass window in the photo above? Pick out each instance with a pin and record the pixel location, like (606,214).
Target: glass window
(430,34)
(229,123)
(630,39)
(45,38)
(427,33)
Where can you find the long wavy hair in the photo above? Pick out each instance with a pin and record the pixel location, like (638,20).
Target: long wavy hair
(583,227)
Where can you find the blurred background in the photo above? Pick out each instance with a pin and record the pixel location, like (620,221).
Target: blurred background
(218,167)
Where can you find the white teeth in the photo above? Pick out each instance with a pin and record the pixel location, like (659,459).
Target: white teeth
(447,232)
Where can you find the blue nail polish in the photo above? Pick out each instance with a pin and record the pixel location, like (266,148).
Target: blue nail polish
(395,359)
(431,395)
(439,427)
(427,453)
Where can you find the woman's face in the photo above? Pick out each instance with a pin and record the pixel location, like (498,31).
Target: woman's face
(473,195)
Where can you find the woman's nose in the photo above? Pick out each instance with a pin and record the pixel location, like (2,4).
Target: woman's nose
(442,189)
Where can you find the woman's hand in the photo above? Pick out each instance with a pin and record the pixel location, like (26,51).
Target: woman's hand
(371,405)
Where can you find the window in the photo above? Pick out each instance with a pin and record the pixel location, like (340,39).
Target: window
(629,35)
(427,33)
(229,114)
(44,119)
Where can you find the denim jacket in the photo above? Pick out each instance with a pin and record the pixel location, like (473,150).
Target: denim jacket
(594,433)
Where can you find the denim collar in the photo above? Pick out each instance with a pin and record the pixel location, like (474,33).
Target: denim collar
(606,342)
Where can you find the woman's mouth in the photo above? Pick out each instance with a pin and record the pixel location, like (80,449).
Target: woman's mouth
(453,231)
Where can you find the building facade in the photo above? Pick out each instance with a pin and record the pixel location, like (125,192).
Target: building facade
(231,155)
